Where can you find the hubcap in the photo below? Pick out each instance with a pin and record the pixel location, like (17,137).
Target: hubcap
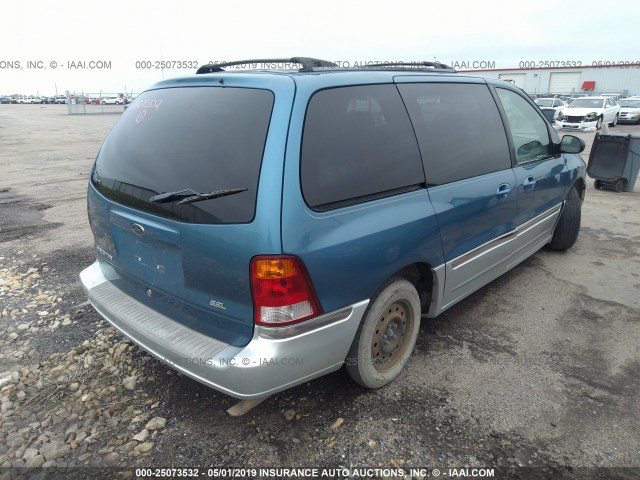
(390,338)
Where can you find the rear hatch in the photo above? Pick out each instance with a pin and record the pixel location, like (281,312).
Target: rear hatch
(190,261)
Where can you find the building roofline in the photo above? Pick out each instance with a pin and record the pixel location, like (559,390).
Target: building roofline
(617,65)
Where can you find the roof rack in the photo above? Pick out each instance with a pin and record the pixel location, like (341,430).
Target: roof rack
(307,63)
(412,66)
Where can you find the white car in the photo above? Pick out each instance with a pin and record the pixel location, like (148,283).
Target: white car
(554,103)
(589,112)
(615,96)
(112,101)
(630,110)
(29,99)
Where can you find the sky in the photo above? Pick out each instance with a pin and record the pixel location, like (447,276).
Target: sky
(118,46)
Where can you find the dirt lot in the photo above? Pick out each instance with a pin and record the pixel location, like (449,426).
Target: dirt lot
(538,369)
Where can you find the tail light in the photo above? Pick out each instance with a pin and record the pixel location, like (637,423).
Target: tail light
(282,291)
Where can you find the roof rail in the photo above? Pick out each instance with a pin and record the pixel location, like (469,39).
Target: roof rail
(307,63)
(412,65)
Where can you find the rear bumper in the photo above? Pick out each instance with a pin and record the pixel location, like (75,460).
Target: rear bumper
(275,359)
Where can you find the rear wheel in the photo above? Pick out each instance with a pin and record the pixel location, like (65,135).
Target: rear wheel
(386,336)
(621,185)
(597,184)
(615,121)
(568,226)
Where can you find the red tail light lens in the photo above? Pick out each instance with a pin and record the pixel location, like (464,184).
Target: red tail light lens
(282,291)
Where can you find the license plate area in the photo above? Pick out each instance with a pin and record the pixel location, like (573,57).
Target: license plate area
(147,250)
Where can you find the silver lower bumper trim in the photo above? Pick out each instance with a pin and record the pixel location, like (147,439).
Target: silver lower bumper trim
(272,361)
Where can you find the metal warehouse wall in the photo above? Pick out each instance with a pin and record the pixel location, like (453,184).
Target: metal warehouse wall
(623,79)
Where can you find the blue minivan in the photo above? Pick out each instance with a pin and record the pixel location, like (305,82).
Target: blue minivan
(259,228)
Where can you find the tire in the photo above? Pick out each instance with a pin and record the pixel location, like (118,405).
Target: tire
(621,185)
(615,121)
(386,337)
(104,103)
(599,123)
(597,184)
(568,226)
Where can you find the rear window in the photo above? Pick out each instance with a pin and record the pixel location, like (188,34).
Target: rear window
(204,139)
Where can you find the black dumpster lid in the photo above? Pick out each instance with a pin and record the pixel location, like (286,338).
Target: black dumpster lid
(608,156)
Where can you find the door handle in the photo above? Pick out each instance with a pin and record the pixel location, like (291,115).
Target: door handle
(503,190)
(529,183)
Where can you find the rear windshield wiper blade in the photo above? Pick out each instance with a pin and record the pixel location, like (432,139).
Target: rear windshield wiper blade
(189,196)
(208,196)
(172,196)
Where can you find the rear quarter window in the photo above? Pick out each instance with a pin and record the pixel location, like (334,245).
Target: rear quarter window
(358,144)
(200,138)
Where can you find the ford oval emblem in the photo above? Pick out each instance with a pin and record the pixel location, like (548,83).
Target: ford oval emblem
(137,229)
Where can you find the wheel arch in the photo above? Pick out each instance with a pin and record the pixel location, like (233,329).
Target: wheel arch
(581,187)
(420,275)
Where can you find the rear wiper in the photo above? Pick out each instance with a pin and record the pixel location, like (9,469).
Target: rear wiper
(189,196)
(172,196)
(208,196)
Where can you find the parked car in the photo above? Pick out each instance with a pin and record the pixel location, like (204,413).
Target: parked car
(615,96)
(570,98)
(5,99)
(554,103)
(565,98)
(630,110)
(112,101)
(27,99)
(590,112)
(299,221)
(60,99)
(549,102)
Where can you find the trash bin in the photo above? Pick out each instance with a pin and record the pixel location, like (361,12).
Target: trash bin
(614,162)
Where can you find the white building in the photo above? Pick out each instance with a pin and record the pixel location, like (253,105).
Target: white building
(621,78)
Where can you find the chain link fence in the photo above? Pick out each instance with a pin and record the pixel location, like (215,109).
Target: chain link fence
(96,102)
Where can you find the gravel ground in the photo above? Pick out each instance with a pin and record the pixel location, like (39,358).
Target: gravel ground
(538,369)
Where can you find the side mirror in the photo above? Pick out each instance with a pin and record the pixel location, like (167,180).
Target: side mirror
(530,150)
(571,144)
